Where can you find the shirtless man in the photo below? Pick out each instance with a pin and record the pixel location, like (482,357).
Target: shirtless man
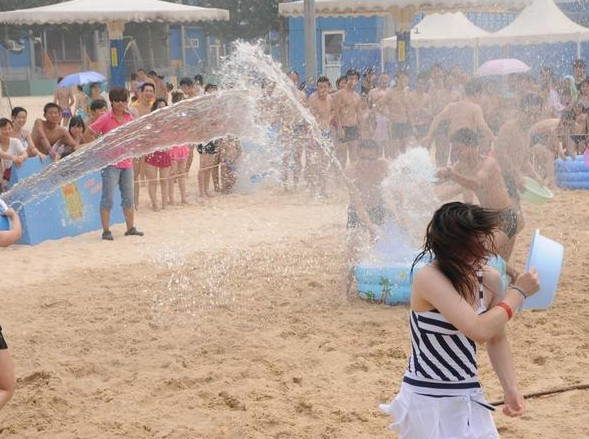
(397,105)
(321,106)
(161,89)
(142,78)
(483,176)
(545,143)
(466,113)
(420,110)
(380,120)
(141,107)
(440,97)
(347,116)
(64,97)
(47,134)
(367,209)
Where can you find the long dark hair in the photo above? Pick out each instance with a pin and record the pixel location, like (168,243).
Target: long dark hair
(457,235)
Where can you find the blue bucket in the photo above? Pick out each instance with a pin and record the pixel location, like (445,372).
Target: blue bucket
(546,256)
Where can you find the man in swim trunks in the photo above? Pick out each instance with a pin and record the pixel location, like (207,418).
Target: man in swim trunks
(347,116)
(483,176)
(466,113)
(397,106)
(321,106)
(64,97)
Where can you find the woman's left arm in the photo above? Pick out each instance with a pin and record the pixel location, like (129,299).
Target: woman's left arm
(499,351)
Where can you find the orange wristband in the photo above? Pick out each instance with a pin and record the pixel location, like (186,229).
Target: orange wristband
(507,309)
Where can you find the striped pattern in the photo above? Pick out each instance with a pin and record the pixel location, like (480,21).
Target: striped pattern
(443,360)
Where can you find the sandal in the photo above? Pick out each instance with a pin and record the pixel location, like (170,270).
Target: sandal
(107,235)
(133,232)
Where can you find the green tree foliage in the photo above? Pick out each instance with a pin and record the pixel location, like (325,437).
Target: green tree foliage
(9,5)
(249,19)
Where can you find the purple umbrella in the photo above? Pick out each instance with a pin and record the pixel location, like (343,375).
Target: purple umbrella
(502,67)
(81,78)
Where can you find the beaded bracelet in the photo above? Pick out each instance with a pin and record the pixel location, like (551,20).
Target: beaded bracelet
(507,309)
(519,290)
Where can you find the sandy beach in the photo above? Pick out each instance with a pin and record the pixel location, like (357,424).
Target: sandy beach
(225,321)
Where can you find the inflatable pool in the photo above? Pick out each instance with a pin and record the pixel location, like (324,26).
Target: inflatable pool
(392,284)
(4,225)
(572,174)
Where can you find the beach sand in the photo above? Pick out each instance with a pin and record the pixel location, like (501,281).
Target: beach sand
(225,321)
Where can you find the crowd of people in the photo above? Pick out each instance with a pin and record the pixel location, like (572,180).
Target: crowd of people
(75,119)
(486,136)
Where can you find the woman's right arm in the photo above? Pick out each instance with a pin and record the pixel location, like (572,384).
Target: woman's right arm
(431,286)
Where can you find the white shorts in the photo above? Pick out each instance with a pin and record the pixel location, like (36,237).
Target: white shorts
(417,416)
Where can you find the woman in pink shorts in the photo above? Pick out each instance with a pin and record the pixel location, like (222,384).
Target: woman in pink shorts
(158,161)
(179,155)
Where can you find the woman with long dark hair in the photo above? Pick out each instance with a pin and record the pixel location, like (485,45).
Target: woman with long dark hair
(456,302)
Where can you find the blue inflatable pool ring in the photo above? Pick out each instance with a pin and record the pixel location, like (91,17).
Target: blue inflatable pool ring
(392,285)
(572,174)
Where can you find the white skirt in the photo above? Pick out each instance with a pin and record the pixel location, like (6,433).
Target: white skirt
(417,416)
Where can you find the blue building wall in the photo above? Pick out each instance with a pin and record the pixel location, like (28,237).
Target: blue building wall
(363,30)
(20,60)
(357,31)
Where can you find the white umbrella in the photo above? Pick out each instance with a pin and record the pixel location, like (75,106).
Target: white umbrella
(502,67)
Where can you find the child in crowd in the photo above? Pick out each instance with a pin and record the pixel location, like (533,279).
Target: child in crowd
(11,152)
(19,120)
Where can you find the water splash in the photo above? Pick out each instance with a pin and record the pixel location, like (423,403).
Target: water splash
(408,190)
(194,120)
(258,95)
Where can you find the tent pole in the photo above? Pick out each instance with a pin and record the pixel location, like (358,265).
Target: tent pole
(310,42)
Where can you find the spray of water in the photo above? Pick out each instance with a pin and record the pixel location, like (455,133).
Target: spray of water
(193,120)
(409,192)
(256,93)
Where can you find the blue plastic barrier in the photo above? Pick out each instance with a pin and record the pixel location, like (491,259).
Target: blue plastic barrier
(572,174)
(68,211)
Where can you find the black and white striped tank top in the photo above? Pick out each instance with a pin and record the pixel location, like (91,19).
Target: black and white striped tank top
(443,360)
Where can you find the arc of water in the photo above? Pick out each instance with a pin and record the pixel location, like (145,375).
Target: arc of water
(198,120)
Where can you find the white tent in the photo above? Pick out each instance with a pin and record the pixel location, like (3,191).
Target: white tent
(105,11)
(333,8)
(442,30)
(540,22)
(114,14)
